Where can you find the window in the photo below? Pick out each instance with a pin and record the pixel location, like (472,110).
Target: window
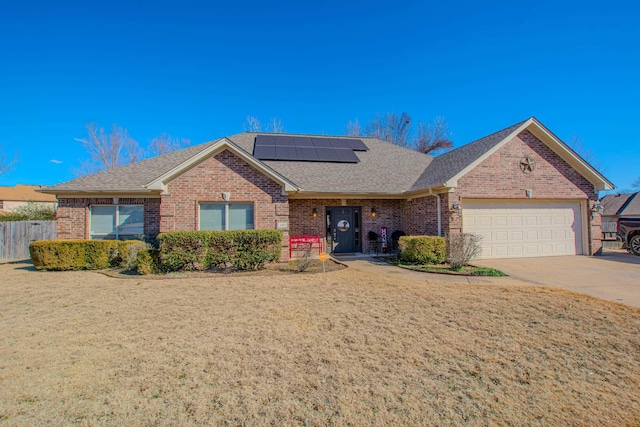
(116,222)
(226,216)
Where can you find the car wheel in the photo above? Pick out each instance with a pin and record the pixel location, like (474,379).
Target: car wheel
(634,244)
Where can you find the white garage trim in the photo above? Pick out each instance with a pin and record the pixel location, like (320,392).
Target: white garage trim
(519,229)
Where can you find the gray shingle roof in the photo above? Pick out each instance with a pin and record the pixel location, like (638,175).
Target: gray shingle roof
(449,164)
(384,169)
(132,177)
(621,204)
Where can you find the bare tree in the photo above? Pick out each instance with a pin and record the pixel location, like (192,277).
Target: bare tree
(394,128)
(636,184)
(108,150)
(6,164)
(354,128)
(434,137)
(164,143)
(390,127)
(575,142)
(277,126)
(252,124)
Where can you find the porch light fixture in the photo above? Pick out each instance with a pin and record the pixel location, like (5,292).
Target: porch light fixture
(373,212)
(314,213)
(596,208)
(457,208)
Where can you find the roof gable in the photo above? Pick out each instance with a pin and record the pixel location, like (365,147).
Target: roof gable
(447,169)
(160,183)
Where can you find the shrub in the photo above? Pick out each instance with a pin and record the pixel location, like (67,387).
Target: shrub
(422,249)
(199,250)
(462,248)
(148,261)
(32,211)
(80,254)
(128,258)
(303,261)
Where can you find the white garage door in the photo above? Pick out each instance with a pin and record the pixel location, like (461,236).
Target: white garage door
(524,229)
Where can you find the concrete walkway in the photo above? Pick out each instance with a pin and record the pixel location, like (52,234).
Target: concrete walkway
(613,276)
(372,265)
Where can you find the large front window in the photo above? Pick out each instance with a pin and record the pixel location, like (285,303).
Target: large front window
(117,222)
(226,216)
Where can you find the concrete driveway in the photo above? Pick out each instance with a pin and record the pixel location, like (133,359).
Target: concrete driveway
(614,276)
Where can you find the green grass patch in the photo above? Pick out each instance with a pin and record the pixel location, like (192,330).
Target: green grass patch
(467,270)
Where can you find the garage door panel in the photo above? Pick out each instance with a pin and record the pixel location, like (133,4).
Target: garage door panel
(524,229)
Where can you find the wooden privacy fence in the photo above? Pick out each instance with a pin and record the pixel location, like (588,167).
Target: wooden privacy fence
(16,236)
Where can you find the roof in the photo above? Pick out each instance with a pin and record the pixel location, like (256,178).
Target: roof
(449,164)
(621,204)
(385,169)
(24,193)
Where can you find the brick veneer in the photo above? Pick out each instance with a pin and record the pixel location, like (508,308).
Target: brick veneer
(178,210)
(420,216)
(206,182)
(500,177)
(388,214)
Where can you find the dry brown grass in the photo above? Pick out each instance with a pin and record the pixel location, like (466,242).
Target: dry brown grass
(342,348)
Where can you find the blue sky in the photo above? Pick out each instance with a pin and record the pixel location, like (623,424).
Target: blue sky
(196,70)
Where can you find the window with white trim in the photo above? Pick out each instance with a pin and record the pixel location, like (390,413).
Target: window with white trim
(120,222)
(226,216)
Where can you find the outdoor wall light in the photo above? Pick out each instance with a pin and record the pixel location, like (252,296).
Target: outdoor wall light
(596,208)
(314,213)
(373,212)
(457,208)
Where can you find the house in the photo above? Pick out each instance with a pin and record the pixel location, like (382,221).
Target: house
(615,206)
(521,188)
(21,194)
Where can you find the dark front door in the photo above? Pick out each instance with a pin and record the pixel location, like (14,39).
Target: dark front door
(343,224)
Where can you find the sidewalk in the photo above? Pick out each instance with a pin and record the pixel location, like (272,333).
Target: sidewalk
(370,264)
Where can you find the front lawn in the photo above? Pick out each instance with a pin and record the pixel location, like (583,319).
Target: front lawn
(341,348)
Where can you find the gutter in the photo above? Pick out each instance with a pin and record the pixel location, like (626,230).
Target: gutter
(439,209)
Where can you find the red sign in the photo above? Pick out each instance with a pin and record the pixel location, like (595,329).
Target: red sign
(304,243)
(383,237)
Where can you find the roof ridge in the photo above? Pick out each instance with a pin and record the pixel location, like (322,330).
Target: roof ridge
(515,126)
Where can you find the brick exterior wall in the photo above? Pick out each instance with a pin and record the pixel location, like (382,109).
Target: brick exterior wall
(500,177)
(420,216)
(178,210)
(206,182)
(72,216)
(388,214)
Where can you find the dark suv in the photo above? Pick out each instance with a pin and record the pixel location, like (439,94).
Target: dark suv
(629,232)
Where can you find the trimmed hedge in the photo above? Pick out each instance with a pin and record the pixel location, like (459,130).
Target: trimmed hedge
(62,255)
(148,261)
(423,249)
(199,250)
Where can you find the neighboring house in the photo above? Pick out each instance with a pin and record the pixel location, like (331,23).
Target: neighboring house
(521,188)
(20,195)
(615,206)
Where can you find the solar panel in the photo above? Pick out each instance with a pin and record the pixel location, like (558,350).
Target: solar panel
(304,148)
(265,152)
(286,152)
(307,153)
(346,155)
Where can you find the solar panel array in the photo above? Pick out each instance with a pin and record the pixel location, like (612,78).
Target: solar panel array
(305,148)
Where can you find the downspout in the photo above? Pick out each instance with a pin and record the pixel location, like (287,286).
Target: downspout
(439,209)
